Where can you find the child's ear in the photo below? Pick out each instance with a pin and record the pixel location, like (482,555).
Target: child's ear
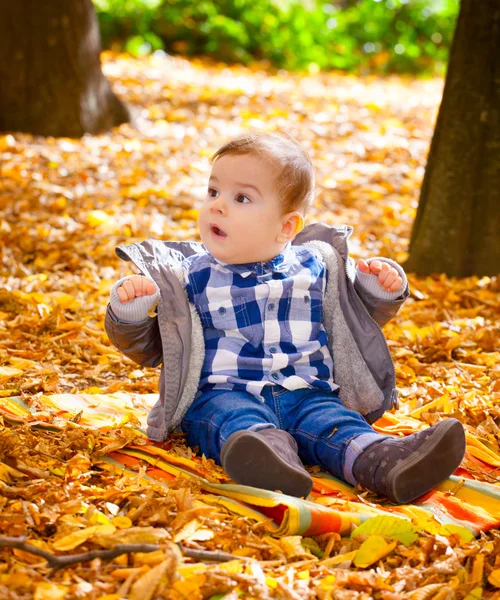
(293,223)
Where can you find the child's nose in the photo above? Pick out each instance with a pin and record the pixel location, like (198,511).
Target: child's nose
(218,205)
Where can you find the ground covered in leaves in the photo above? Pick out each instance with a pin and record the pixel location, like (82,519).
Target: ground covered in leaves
(66,204)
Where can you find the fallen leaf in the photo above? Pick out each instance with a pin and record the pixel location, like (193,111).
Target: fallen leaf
(71,541)
(371,550)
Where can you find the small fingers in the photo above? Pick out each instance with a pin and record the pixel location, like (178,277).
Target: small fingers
(150,288)
(137,282)
(390,279)
(135,287)
(396,284)
(126,291)
(144,286)
(376,266)
(122,294)
(363,266)
(383,273)
(387,277)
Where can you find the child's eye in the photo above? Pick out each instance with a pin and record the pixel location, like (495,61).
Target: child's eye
(212,192)
(241,199)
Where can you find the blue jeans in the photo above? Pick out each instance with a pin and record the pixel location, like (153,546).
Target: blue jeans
(327,433)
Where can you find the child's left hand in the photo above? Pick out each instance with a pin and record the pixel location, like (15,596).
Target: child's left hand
(388,277)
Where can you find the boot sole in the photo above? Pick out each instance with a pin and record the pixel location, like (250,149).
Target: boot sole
(413,477)
(248,460)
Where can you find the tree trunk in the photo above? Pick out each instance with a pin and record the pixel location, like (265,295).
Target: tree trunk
(457,227)
(51,81)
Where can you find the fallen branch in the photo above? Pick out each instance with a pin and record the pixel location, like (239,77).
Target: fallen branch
(209,555)
(59,562)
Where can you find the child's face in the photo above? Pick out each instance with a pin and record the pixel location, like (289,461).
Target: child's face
(240,220)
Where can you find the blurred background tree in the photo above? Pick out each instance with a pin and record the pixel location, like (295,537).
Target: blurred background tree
(355,35)
(51,81)
(457,227)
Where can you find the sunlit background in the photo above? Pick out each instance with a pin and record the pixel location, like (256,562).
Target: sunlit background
(353,35)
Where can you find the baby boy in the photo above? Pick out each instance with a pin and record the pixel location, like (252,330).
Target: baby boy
(292,364)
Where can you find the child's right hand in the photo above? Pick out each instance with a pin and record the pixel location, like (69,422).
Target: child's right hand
(135,287)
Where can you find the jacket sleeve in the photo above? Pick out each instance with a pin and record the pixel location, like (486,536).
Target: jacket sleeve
(381,305)
(139,341)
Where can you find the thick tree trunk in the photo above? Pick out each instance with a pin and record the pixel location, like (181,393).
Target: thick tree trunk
(51,81)
(457,227)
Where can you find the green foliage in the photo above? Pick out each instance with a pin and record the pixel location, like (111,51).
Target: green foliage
(355,35)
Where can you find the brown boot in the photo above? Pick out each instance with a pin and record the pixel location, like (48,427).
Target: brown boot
(266,459)
(405,468)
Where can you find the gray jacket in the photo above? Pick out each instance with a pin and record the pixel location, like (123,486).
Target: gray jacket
(352,317)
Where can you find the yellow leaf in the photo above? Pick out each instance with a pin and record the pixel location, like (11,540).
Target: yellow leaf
(292,546)
(121,522)
(91,390)
(328,582)
(65,300)
(8,372)
(7,393)
(46,590)
(371,550)
(7,473)
(145,587)
(71,541)
(188,588)
(192,213)
(201,535)
(463,532)
(17,580)
(475,594)
(37,277)
(188,570)
(479,450)
(186,531)
(132,535)
(394,528)
(22,363)
(59,471)
(442,400)
(476,575)
(99,518)
(151,559)
(376,108)
(494,578)
(245,551)
(232,566)
(29,558)
(70,325)
(97,217)
(271,582)
(337,560)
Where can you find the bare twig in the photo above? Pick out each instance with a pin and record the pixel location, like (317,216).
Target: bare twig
(59,562)
(209,555)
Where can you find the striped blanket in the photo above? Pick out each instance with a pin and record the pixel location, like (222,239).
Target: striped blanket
(470,498)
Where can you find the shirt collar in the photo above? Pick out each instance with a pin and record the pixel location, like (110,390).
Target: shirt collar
(278,264)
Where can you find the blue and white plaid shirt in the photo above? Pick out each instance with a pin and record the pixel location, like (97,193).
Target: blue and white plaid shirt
(262,322)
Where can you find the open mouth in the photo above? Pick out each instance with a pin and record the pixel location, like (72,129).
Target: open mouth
(217,231)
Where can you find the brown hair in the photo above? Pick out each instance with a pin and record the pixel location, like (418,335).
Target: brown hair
(295,178)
